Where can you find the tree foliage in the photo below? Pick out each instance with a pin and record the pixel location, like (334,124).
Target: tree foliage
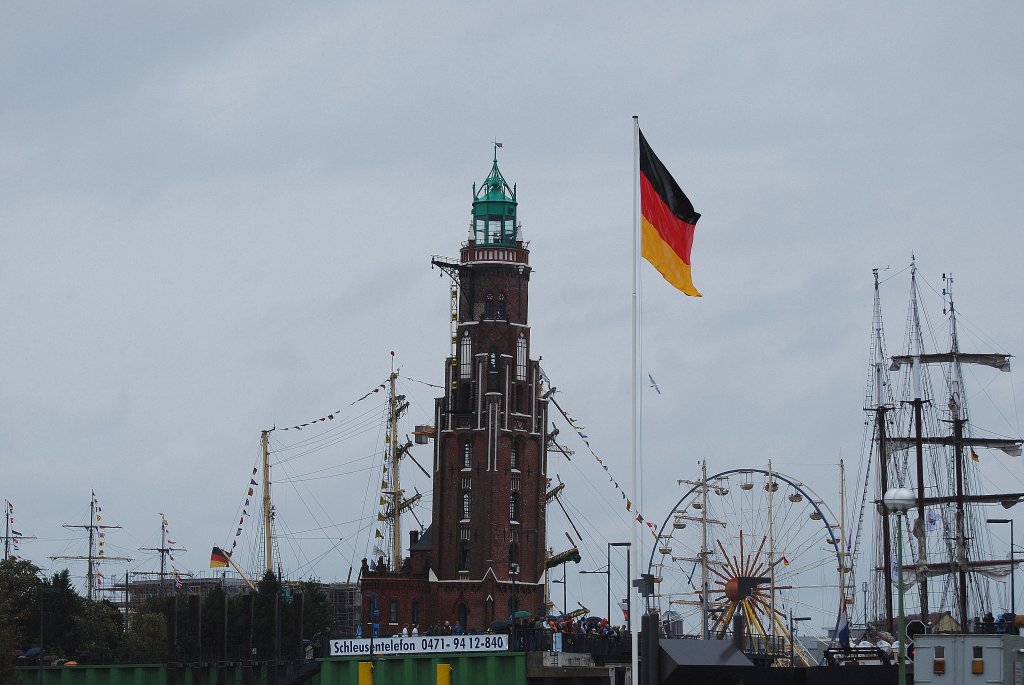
(72,627)
(19,601)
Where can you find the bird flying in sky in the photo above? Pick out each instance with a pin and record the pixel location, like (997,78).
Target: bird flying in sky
(654,384)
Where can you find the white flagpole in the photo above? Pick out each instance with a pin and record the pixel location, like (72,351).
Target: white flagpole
(634,549)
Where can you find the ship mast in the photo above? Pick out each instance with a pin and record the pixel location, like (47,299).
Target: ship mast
(771,536)
(959,564)
(267,509)
(958,415)
(918,404)
(391,488)
(164,551)
(396,489)
(11,535)
(880,409)
(704,550)
(7,529)
(845,567)
(92,557)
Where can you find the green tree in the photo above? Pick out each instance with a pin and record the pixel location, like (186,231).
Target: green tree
(319,614)
(146,638)
(213,622)
(8,646)
(19,597)
(98,632)
(60,611)
(265,628)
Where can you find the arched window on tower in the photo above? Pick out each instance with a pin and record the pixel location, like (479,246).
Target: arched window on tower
(501,306)
(489,306)
(464,555)
(521,358)
(514,457)
(466,356)
(462,615)
(467,456)
(513,557)
(466,502)
(513,508)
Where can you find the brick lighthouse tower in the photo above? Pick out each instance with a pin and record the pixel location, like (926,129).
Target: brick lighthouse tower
(483,556)
(490,456)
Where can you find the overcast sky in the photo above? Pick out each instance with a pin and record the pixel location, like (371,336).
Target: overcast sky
(217,219)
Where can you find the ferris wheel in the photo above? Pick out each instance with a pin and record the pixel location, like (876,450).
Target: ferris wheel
(759,545)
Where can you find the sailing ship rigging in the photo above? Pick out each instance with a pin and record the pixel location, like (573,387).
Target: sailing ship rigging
(926,441)
(96,554)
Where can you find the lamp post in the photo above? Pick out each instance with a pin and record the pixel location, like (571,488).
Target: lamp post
(792,637)
(561,582)
(39,677)
(1012,568)
(608,572)
(628,571)
(898,501)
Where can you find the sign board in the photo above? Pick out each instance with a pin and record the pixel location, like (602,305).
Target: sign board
(421,644)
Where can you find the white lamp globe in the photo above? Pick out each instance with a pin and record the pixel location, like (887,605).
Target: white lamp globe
(899,499)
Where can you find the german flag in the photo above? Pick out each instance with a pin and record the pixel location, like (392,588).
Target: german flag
(218,559)
(668,221)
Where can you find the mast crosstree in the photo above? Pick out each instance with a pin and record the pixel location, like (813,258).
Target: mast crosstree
(95,533)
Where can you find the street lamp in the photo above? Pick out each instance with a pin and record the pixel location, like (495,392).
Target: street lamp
(1012,568)
(898,501)
(561,582)
(608,572)
(629,595)
(792,637)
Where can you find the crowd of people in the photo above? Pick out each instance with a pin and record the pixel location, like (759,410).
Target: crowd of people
(594,626)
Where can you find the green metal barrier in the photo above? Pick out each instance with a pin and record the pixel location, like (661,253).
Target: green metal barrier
(500,668)
(145,674)
(496,668)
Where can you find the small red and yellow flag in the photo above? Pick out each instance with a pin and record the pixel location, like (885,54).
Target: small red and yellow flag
(218,559)
(668,221)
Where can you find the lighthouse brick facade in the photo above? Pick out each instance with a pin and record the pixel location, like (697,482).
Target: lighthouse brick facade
(483,556)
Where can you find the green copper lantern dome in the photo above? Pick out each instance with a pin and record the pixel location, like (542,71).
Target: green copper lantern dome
(494,209)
